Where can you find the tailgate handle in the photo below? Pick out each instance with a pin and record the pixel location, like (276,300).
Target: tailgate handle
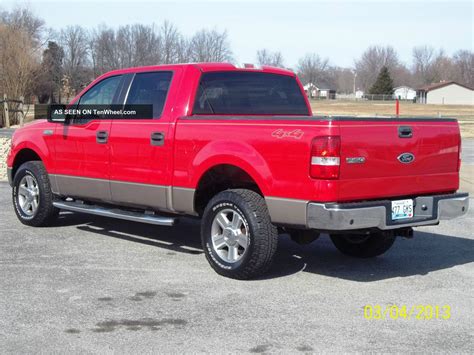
(405,132)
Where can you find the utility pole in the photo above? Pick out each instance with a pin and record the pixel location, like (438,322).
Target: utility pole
(355,76)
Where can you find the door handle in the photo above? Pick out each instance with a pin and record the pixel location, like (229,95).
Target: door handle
(157,138)
(405,132)
(101,137)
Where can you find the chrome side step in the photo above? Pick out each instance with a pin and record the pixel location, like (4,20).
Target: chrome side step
(115,213)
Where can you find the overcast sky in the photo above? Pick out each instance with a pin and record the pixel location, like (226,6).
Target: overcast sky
(339,30)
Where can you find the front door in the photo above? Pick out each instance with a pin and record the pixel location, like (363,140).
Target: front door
(81,146)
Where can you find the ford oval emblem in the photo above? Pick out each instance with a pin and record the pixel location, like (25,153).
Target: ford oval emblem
(406,158)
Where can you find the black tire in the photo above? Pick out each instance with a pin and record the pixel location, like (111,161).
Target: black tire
(261,234)
(45,213)
(363,246)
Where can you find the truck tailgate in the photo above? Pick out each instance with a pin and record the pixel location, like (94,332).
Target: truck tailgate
(380,157)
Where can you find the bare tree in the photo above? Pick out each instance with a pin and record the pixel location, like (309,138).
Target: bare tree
(402,76)
(424,58)
(266,57)
(103,51)
(343,79)
(17,62)
(184,51)
(210,46)
(171,42)
(313,69)
(372,61)
(20,43)
(443,68)
(148,45)
(464,67)
(22,19)
(128,46)
(74,42)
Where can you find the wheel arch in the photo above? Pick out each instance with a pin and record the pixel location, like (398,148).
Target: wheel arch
(221,177)
(24,154)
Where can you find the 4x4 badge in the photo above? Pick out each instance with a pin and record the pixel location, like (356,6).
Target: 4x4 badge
(280,133)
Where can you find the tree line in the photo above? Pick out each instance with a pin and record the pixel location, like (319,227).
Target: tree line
(47,64)
(429,65)
(56,65)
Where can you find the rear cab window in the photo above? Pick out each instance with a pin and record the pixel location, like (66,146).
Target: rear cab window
(249,93)
(150,88)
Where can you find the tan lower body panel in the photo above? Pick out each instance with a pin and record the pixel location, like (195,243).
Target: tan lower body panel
(146,195)
(83,187)
(287,211)
(165,198)
(183,199)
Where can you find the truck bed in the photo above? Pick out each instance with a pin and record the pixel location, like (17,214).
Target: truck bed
(276,152)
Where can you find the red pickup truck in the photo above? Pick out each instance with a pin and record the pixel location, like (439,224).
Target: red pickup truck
(239,148)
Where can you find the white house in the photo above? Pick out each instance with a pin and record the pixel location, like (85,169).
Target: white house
(321,91)
(311,90)
(404,93)
(326,90)
(359,94)
(446,93)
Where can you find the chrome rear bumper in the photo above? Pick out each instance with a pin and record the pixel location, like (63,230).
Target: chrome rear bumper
(428,210)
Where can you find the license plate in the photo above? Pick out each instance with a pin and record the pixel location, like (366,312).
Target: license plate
(402,209)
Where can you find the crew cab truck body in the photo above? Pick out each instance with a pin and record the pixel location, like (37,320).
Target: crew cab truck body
(239,148)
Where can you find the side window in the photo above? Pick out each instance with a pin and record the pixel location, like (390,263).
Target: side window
(150,89)
(103,93)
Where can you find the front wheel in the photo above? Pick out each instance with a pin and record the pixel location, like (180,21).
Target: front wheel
(237,235)
(363,245)
(32,196)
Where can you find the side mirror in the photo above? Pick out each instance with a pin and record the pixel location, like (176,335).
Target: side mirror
(56,113)
(59,114)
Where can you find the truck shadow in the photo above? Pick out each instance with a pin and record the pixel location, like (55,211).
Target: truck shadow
(183,238)
(425,253)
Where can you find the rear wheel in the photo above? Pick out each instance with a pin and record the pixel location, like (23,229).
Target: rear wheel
(32,196)
(237,235)
(363,245)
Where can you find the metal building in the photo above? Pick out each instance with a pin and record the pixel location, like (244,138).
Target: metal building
(445,93)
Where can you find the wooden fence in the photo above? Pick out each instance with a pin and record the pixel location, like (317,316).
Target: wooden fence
(18,112)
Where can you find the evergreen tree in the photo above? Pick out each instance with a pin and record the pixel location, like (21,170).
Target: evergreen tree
(49,75)
(383,85)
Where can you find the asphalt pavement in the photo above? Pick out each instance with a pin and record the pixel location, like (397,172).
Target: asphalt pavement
(7,132)
(98,285)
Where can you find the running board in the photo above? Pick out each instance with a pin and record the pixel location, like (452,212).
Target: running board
(115,213)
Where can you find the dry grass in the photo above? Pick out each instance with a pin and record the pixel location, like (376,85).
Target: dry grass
(464,113)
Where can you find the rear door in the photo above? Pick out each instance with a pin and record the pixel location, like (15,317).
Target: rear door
(141,147)
(82,152)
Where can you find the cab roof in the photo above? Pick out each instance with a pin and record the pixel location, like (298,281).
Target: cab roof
(206,67)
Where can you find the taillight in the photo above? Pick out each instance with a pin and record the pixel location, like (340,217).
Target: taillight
(325,157)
